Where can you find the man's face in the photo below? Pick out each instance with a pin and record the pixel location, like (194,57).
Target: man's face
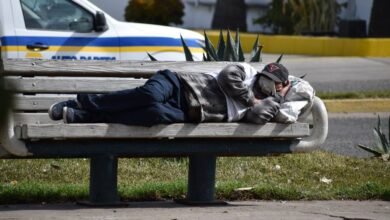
(278,86)
(282,88)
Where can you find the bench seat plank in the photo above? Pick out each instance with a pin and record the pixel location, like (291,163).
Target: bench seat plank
(70,84)
(178,130)
(33,118)
(38,102)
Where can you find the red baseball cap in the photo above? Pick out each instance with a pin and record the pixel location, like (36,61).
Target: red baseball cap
(275,71)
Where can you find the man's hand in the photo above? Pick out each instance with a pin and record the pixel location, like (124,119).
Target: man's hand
(263,111)
(256,101)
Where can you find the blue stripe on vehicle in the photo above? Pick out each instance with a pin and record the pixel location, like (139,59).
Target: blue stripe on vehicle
(95,41)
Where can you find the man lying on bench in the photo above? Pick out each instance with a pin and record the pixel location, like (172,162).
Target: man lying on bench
(236,93)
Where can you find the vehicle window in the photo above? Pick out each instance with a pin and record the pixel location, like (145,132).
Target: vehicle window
(62,15)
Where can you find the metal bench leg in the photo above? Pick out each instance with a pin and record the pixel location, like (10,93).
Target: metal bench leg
(201,181)
(103,190)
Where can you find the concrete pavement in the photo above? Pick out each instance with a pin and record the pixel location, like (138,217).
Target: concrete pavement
(319,210)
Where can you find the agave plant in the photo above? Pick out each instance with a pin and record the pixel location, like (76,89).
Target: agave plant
(381,149)
(231,50)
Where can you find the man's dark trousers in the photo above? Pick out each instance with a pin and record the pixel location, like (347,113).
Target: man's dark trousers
(159,101)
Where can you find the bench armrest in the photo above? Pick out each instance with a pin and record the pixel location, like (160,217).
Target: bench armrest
(10,142)
(319,131)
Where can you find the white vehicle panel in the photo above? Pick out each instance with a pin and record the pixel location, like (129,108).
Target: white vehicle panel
(39,31)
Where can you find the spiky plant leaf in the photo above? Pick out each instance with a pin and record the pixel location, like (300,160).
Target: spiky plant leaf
(257,56)
(303,76)
(378,126)
(385,143)
(210,50)
(389,135)
(376,153)
(238,48)
(205,58)
(237,41)
(210,58)
(241,57)
(152,58)
(255,47)
(230,53)
(187,51)
(233,51)
(279,59)
(221,46)
(382,142)
(378,141)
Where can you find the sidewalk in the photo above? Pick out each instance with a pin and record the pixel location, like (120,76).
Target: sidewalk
(266,210)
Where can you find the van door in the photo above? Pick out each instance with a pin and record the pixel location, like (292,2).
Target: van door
(61,30)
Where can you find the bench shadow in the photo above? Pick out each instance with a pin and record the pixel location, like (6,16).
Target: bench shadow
(272,129)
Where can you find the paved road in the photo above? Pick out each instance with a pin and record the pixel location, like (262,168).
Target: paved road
(346,131)
(319,210)
(338,74)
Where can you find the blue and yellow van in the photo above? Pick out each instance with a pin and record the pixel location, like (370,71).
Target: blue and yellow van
(79,30)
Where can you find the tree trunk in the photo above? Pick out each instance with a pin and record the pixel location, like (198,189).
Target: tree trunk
(230,14)
(380,19)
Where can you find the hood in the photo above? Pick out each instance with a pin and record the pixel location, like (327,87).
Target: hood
(151,30)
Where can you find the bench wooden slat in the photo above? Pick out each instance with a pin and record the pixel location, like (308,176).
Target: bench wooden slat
(70,84)
(33,118)
(106,68)
(178,130)
(38,102)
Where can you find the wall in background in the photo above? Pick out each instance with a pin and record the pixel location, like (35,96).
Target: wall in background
(199,13)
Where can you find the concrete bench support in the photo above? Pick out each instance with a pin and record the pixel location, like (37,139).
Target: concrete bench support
(103,180)
(201,179)
(103,183)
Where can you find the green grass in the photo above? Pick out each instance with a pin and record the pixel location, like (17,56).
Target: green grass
(59,180)
(354,95)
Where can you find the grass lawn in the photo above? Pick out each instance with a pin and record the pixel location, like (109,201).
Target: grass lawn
(354,95)
(311,176)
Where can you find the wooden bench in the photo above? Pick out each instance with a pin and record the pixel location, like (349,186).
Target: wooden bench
(31,134)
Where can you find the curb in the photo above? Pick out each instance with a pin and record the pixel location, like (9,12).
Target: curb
(357,105)
(309,45)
